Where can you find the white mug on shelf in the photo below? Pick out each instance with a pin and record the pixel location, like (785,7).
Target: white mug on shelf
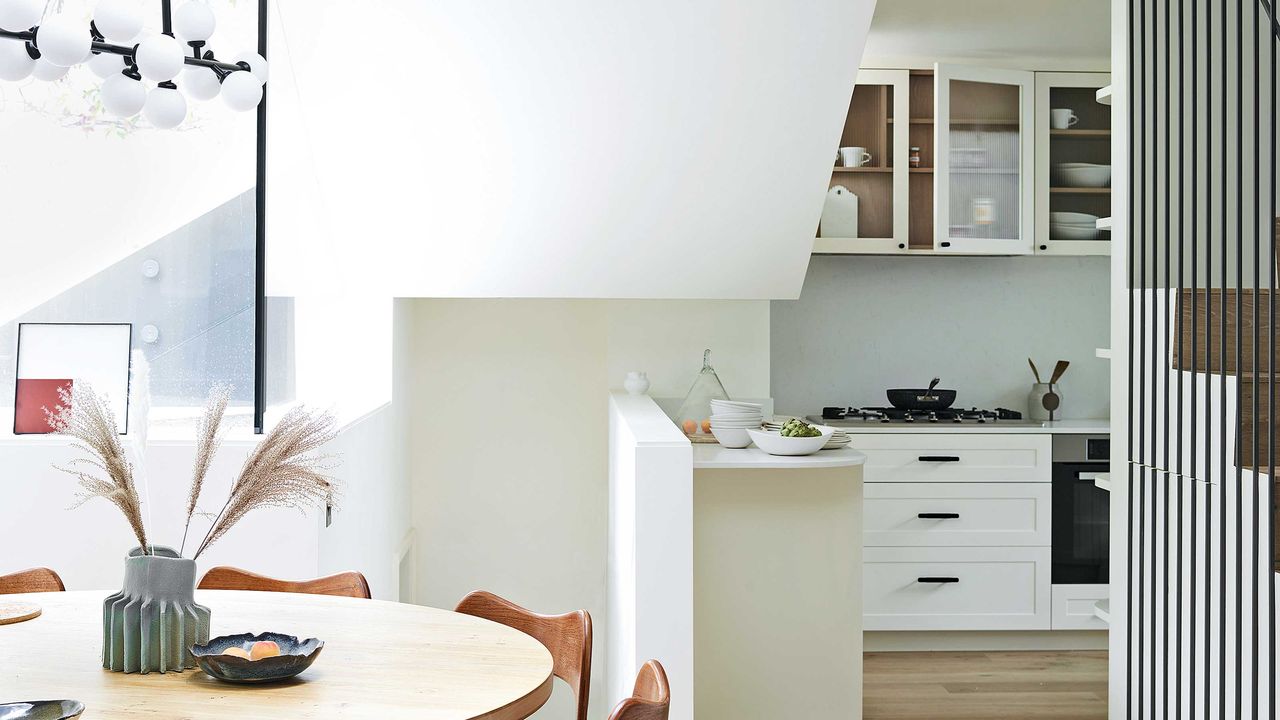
(1062,118)
(854,156)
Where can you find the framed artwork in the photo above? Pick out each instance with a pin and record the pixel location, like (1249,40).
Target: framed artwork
(58,355)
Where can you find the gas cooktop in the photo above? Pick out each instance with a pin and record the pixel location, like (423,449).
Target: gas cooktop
(851,416)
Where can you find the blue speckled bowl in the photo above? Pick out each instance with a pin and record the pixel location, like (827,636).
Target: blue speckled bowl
(295,656)
(41,710)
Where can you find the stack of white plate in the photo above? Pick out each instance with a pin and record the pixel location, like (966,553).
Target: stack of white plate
(730,420)
(838,438)
(1073,226)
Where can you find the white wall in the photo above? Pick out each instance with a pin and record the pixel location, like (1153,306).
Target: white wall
(509,438)
(569,148)
(865,324)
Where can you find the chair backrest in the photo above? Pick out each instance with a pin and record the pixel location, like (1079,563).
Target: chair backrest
(651,699)
(567,637)
(347,584)
(31,581)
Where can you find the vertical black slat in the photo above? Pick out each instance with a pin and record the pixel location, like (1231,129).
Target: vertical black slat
(260,247)
(1239,509)
(1179,479)
(1221,669)
(1139,223)
(1257,300)
(1271,367)
(1194,240)
(1167,291)
(1208,349)
(1132,287)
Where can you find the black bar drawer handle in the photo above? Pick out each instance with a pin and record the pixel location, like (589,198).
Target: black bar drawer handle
(931,579)
(939,458)
(939,516)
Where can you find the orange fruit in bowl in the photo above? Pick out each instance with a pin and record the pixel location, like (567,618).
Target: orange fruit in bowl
(690,427)
(706,426)
(263,649)
(237,652)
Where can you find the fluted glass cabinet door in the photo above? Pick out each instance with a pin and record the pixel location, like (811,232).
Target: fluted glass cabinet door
(983,135)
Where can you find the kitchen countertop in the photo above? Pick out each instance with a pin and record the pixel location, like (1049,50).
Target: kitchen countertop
(1077,427)
(716,457)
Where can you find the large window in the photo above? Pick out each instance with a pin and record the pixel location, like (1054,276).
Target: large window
(110,220)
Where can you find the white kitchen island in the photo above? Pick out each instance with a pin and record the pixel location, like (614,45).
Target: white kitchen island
(739,571)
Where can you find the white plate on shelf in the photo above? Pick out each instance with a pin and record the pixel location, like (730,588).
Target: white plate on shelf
(1072,218)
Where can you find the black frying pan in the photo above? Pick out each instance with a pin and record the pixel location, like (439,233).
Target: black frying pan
(921,398)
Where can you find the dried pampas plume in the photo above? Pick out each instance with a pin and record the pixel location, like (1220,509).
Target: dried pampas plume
(107,472)
(283,471)
(208,438)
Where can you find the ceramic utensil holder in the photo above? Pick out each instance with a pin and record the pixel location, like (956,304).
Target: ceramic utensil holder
(1035,401)
(151,624)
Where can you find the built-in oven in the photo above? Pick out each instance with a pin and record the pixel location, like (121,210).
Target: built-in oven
(1081,510)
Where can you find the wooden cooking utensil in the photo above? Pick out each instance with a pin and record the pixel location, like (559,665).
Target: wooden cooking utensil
(1034,370)
(1058,370)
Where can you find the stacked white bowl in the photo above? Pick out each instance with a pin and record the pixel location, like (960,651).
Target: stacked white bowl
(1073,226)
(730,420)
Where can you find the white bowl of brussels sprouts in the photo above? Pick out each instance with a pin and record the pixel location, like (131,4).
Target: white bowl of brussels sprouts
(796,438)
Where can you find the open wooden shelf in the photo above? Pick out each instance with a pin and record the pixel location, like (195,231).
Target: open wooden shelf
(1081,191)
(922,170)
(863,169)
(1073,133)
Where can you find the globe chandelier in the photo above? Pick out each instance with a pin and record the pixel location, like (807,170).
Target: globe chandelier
(116,49)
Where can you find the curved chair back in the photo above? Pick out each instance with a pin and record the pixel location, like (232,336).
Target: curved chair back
(567,637)
(31,581)
(651,699)
(346,584)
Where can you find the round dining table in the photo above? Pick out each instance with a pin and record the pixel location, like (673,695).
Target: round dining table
(380,660)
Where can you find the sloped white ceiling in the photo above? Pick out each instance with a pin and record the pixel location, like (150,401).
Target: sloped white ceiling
(565,148)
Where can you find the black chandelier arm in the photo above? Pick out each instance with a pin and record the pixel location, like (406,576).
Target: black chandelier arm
(221,68)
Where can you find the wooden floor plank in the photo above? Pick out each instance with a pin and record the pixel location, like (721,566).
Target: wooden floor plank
(1054,685)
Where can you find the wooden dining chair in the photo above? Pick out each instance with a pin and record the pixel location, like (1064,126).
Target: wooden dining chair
(651,699)
(31,581)
(346,584)
(567,637)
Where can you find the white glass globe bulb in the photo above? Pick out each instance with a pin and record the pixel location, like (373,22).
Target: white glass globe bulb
(19,15)
(119,21)
(159,58)
(257,64)
(165,108)
(123,96)
(63,40)
(15,62)
(200,83)
(241,91)
(47,71)
(194,21)
(104,65)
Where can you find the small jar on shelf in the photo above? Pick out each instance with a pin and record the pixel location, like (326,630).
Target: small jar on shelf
(914,160)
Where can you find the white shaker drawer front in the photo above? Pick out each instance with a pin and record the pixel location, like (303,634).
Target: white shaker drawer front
(956,514)
(956,589)
(892,457)
(1073,606)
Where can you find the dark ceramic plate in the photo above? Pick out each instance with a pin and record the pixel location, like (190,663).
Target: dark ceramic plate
(41,710)
(295,656)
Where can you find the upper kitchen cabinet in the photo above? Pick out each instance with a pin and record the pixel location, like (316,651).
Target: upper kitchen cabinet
(866,207)
(1073,164)
(985,159)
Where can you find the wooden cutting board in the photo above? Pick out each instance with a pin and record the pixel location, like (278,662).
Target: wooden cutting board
(16,612)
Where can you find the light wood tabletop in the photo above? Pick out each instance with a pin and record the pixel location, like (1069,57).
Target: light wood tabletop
(380,660)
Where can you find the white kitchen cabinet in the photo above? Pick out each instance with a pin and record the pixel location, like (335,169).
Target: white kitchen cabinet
(959,457)
(1073,606)
(1087,140)
(956,588)
(956,514)
(876,121)
(984,160)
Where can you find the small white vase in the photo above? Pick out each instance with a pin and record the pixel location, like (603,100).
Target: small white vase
(1035,401)
(637,383)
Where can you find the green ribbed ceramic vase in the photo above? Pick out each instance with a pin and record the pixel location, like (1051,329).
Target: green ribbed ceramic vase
(151,624)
